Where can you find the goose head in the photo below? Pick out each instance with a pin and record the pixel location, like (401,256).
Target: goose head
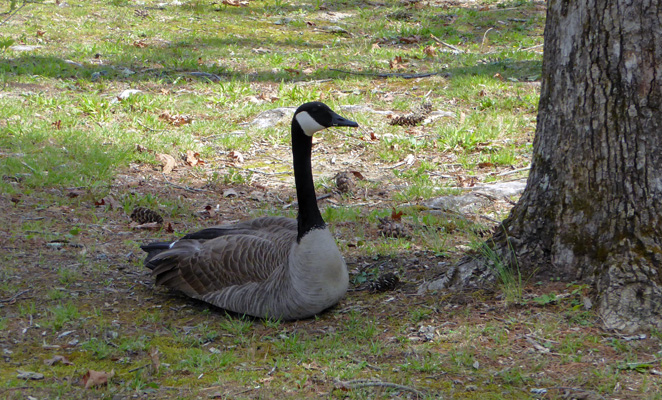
(315,116)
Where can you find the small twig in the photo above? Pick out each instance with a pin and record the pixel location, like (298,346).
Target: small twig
(388,74)
(29,167)
(139,368)
(234,395)
(514,171)
(14,297)
(188,189)
(489,219)
(12,13)
(359,383)
(482,44)
(148,128)
(365,363)
(257,171)
(450,46)
(294,203)
(533,47)
(302,83)
(576,390)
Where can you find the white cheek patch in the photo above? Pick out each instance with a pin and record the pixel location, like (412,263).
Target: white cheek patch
(308,123)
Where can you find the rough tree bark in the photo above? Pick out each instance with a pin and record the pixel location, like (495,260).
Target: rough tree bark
(592,209)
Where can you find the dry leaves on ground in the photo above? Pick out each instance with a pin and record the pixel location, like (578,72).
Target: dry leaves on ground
(97,378)
(193,158)
(176,119)
(167,161)
(236,156)
(236,3)
(397,63)
(154,356)
(58,359)
(109,201)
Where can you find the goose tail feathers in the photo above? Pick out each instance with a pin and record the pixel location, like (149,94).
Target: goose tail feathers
(152,250)
(168,262)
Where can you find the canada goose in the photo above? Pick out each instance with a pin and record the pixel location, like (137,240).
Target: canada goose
(269,267)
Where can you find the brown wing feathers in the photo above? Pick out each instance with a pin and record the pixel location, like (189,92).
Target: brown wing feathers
(200,267)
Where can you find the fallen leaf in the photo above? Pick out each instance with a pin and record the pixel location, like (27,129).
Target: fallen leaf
(154,356)
(409,160)
(498,76)
(96,378)
(109,201)
(176,119)
(376,46)
(397,63)
(29,375)
(207,212)
(256,195)
(260,50)
(140,44)
(410,39)
(469,181)
(167,161)
(373,136)
(358,175)
(230,193)
(237,156)
(128,93)
(396,215)
(235,3)
(155,226)
(430,51)
(58,359)
(270,97)
(73,193)
(485,165)
(193,158)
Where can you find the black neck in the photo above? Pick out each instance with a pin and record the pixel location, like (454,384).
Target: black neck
(309,216)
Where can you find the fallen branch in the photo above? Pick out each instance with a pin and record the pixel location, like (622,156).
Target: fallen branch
(388,74)
(514,171)
(188,189)
(294,203)
(450,46)
(11,13)
(14,297)
(359,383)
(367,364)
(533,47)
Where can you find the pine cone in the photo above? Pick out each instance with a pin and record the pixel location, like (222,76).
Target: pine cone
(141,13)
(407,120)
(413,118)
(344,182)
(144,215)
(390,228)
(385,282)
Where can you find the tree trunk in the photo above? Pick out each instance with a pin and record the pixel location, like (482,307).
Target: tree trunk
(592,209)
